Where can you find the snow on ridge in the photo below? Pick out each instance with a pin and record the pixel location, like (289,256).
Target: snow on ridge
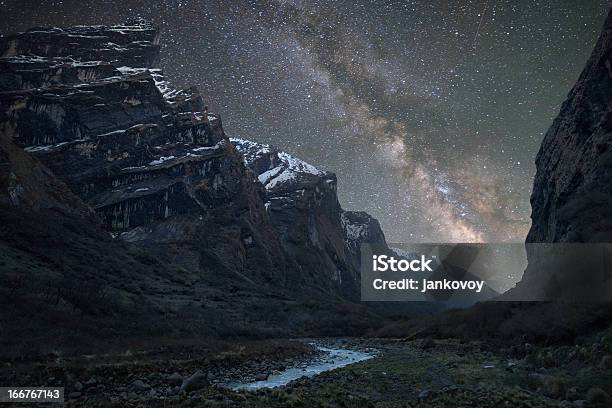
(282,176)
(219,145)
(250,150)
(49,147)
(265,148)
(164,86)
(86,63)
(38,148)
(299,165)
(27,59)
(288,169)
(161,160)
(52,62)
(253,150)
(125,70)
(265,177)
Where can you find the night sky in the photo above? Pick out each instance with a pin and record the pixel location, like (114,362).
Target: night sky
(430,113)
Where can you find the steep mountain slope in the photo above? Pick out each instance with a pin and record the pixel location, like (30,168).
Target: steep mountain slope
(138,187)
(26,183)
(302,203)
(151,168)
(152,163)
(572,192)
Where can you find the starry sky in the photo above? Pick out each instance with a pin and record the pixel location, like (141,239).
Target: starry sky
(429,112)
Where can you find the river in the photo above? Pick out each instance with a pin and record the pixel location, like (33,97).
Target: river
(331,359)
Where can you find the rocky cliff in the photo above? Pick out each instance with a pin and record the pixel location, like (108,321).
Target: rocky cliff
(147,159)
(572,192)
(302,204)
(153,168)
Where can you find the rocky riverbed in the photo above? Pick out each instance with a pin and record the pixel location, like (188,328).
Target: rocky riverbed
(402,373)
(169,373)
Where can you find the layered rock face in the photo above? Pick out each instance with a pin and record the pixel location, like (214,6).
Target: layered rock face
(133,44)
(572,190)
(147,159)
(159,170)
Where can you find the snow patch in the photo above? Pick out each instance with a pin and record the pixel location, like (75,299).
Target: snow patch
(42,148)
(204,148)
(288,168)
(161,160)
(265,177)
(299,166)
(131,71)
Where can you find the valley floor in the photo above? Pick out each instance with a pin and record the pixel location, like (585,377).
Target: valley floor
(404,373)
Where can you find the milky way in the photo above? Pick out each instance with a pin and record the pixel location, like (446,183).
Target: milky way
(430,113)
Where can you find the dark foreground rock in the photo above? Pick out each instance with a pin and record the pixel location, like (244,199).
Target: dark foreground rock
(402,373)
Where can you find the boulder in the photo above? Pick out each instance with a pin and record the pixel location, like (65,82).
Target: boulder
(196,381)
(139,385)
(175,379)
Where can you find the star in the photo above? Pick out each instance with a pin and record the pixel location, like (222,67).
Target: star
(430,113)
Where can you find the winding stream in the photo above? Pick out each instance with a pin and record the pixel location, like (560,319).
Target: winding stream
(332,358)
